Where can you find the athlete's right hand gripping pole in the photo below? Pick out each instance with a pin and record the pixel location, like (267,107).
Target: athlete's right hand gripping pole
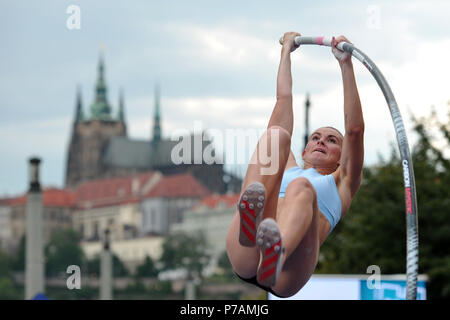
(412,235)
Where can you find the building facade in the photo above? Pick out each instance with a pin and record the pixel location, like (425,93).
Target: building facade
(212,216)
(165,205)
(132,252)
(137,210)
(57,214)
(5,225)
(112,204)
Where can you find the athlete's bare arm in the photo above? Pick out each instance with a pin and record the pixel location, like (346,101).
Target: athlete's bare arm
(352,156)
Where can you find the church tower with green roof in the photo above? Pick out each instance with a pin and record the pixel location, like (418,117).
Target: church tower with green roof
(100,148)
(100,108)
(92,132)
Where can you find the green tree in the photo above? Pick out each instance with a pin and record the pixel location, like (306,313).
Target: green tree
(8,291)
(147,268)
(62,251)
(225,264)
(186,251)
(5,264)
(19,258)
(374,233)
(119,269)
(433,193)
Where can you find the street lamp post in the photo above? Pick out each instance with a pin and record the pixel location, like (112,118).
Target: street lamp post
(34,249)
(106,268)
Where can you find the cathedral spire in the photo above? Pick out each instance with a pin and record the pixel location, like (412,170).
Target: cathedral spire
(157,117)
(79,114)
(100,109)
(121,114)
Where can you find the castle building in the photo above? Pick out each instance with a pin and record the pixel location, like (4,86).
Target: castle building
(57,214)
(139,211)
(100,147)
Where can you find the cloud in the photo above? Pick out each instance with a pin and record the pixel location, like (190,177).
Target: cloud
(46,139)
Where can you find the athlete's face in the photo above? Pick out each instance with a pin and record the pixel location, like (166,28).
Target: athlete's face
(324,148)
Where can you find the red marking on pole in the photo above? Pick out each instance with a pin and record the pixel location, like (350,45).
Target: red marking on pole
(408,201)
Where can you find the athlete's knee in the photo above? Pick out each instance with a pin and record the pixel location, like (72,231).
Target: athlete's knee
(273,150)
(278,135)
(244,266)
(300,186)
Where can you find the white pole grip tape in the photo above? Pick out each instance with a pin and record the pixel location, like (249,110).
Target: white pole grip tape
(321,41)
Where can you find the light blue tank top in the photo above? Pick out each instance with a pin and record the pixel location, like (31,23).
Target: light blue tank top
(328,199)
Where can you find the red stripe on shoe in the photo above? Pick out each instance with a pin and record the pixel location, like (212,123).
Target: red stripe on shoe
(251,211)
(249,221)
(266,274)
(269,261)
(248,233)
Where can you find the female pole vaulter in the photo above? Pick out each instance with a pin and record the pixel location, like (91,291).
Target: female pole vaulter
(285,214)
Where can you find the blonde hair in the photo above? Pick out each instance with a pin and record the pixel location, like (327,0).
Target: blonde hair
(340,134)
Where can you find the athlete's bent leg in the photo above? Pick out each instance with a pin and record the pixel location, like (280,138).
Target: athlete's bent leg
(277,141)
(298,221)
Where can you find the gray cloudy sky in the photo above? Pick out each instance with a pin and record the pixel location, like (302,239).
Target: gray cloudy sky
(216,62)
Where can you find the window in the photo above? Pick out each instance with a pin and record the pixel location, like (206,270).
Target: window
(95,233)
(145,219)
(153,218)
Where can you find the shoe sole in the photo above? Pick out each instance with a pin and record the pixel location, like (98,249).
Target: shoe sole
(250,207)
(271,251)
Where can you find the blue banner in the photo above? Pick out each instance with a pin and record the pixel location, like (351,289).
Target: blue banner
(389,290)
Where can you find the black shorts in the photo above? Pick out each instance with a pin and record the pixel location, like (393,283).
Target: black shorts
(253,281)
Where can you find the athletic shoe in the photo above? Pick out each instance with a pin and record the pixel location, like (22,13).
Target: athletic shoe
(269,241)
(251,206)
